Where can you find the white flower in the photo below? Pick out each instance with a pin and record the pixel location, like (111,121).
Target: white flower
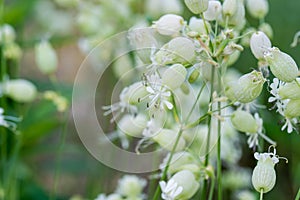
(101,197)
(8,121)
(158,94)
(120,107)
(289,124)
(131,186)
(170,190)
(279,103)
(253,137)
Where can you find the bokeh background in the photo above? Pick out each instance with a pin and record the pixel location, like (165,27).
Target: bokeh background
(47,158)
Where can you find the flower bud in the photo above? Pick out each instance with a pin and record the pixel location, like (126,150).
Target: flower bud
(174,76)
(169,24)
(292,109)
(186,179)
(7,33)
(267,29)
(229,7)
(133,125)
(257,8)
(238,18)
(20,90)
(196,6)
(213,11)
(178,50)
(247,88)
(282,65)
(131,186)
(197,25)
(264,175)
(244,122)
(194,76)
(290,90)
(45,57)
(245,41)
(259,44)
(166,138)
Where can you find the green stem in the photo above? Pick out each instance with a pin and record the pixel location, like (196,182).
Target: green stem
(9,189)
(211,46)
(261,194)
(211,190)
(209,130)
(219,161)
(195,103)
(298,195)
(59,155)
(164,175)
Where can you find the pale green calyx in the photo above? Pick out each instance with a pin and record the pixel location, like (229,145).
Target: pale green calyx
(20,90)
(244,122)
(292,109)
(264,175)
(196,6)
(174,76)
(178,50)
(282,65)
(45,57)
(133,125)
(290,90)
(247,88)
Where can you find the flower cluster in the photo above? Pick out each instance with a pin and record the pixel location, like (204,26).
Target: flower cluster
(187,99)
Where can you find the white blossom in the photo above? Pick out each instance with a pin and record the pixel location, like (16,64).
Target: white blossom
(170,190)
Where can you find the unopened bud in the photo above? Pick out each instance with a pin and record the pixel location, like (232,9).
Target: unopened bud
(257,8)
(169,24)
(45,57)
(194,76)
(174,76)
(20,90)
(267,29)
(213,11)
(244,122)
(259,44)
(198,26)
(282,65)
(196,6)
(229,7)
